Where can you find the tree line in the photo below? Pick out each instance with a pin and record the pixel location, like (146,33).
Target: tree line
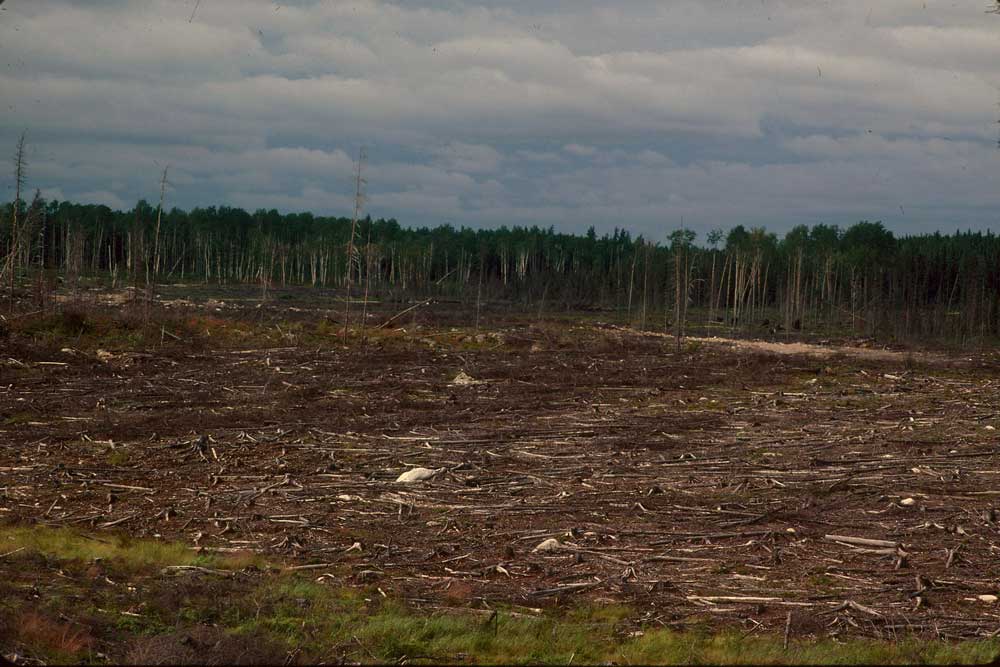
(863,278)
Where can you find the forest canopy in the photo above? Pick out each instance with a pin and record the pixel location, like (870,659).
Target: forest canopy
(931,284)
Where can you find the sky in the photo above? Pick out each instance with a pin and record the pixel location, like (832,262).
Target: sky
(644,115)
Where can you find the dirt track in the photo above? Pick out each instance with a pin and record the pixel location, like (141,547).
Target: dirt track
(686,485)
(819,351)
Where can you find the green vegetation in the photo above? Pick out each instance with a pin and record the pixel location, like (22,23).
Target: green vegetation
(131,609)
(19,418)
(88,329)
(861,279)
(126,552)
(94,328)
(732,649)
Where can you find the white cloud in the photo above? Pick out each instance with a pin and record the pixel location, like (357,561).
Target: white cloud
(579,150)
(109,199)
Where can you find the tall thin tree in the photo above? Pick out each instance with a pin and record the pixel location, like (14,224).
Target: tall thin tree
(159,216)
(678,286)
(368,280)
(20,164)
(358,202)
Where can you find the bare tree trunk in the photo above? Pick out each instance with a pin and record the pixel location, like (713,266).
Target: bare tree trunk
(358,180)
(799,310)
(687,292)
(631,282)
(724,282)
(645,285)
(368,281)
(677,296)
(19,167)
(711,291)
(159,215)
(479,288)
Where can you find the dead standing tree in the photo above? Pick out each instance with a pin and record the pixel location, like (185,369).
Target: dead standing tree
(351,258)
(678,293)
(137,248)
(368,280)
(151,272)
(38,223)
(11,266)
(680,242)
(159,216)
(33,250)
(714,237)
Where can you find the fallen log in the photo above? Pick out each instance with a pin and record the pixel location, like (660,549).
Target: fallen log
(862,541)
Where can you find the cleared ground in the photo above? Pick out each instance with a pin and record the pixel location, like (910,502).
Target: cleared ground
(707,487)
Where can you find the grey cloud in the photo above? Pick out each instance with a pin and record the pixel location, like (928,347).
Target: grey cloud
(558,112)
(469,158)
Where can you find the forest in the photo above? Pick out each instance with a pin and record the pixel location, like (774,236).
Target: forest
(862,278)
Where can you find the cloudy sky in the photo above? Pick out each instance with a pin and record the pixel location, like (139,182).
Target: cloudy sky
(638,114)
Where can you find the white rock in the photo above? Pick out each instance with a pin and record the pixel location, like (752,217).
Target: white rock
(551,544)
(418,475)
(987,598)
(907,502)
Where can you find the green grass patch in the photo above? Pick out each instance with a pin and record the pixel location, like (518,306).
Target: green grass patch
(138,613)
(19,418)
(672,648)
(119,456)
(67,544)
(316,617)
(125,551)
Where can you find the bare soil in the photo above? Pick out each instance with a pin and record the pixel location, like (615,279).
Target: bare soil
(690,486)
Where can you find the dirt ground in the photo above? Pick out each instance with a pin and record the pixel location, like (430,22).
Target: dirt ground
(713,484)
